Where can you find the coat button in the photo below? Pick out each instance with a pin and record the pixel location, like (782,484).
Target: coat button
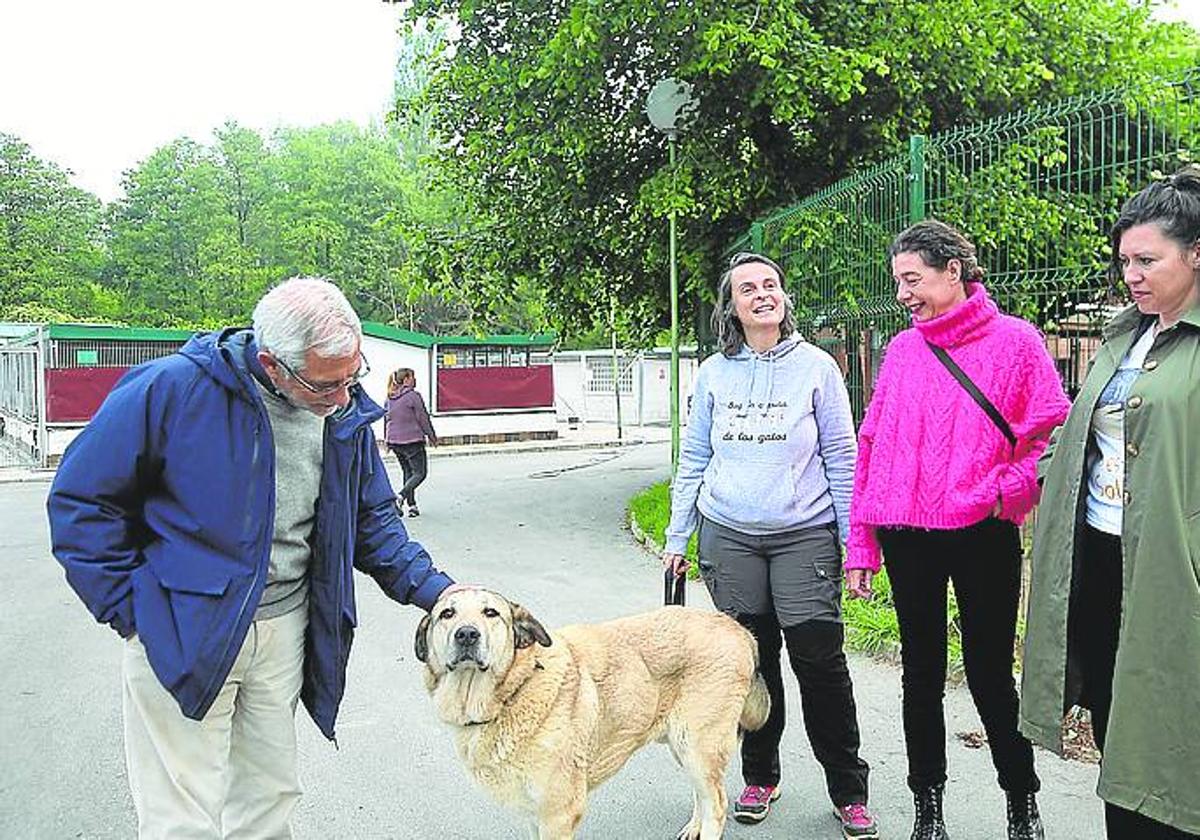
(1151,364)
(1134,402)
(1127,497)
(1131,449)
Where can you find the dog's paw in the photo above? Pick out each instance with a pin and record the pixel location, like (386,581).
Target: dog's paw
(691,831)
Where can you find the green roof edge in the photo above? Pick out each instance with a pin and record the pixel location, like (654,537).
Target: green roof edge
(418,339)
(87,331)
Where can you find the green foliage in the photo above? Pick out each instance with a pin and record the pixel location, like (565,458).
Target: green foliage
(202,231)
(651,510)
(542,109)
(51,237)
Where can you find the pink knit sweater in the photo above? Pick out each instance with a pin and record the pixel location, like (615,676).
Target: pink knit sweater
(928,455)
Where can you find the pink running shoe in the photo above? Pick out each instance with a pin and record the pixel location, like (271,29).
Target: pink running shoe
(857,822)
(754,803)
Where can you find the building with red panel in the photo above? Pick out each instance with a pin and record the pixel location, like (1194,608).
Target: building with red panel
(483,389)
(53,377)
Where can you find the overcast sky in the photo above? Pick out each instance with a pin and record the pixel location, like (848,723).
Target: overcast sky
(97,86)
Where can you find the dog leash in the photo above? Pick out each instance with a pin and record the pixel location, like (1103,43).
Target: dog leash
(674,587)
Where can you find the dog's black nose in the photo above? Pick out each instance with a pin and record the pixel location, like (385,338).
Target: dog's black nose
(466,635)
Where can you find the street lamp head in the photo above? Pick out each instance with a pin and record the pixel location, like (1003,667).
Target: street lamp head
(670,105)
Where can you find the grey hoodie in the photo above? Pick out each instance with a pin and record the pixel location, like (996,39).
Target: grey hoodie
(770,444)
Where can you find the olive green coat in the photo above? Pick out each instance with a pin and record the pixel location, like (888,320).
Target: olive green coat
(1152,756)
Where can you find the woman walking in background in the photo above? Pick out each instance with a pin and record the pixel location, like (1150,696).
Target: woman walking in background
(406,427)
(765,473)
(944,477)
(1114,603)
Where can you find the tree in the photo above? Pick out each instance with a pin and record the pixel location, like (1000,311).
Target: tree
(51,237)
(542,101)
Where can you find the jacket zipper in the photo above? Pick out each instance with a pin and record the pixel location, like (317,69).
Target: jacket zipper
(222,672)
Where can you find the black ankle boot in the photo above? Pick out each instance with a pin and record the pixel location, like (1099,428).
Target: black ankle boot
(929,824)
(1024,822)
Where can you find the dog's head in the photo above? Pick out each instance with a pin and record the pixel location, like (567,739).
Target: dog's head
(475,629)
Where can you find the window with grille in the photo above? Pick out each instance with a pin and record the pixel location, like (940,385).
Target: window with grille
(79,353)
(490,355)
(600,374)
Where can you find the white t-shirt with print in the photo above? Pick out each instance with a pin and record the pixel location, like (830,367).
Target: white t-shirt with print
(1106,472)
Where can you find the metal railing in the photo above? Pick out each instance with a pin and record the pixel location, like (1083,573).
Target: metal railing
(68,353)
(21,434)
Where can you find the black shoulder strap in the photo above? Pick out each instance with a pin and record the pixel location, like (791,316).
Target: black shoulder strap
(977,395)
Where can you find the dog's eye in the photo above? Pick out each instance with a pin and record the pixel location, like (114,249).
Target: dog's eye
(491,612)
(446,613)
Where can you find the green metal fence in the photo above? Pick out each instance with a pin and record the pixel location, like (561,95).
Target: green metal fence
(1036,191)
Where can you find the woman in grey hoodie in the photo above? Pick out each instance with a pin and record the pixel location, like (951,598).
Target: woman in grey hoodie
(765,472)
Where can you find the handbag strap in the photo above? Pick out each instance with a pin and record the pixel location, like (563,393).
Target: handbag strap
(977,395)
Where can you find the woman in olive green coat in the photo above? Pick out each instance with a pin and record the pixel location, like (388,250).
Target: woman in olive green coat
(1114,609)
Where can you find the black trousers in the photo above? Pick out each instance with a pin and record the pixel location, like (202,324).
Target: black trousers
(1096,618)
(414,463)
(814,650)
(984,562)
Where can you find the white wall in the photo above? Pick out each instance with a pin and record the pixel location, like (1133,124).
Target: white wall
(647,402)
(495,422)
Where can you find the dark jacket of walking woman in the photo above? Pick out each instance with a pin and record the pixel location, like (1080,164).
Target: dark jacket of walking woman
(406,427)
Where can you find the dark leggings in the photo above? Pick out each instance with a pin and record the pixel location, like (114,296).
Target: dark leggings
(814,650)
(984,562)
(414,463)
(1096,618)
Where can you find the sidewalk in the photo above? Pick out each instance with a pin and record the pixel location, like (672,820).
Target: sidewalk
(584,436)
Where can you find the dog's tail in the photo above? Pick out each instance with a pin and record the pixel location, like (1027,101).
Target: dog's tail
(757,706)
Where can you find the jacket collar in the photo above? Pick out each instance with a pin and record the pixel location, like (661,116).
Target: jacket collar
(230,357)
(1130,318)
(962,322)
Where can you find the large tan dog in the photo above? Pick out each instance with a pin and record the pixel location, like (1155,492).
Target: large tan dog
(540,719)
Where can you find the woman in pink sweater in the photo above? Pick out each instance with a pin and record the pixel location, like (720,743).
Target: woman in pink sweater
(941,487)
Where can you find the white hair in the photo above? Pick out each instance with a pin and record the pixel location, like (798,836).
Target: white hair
(303,314)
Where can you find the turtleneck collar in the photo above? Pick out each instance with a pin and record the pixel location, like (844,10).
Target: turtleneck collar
(960,323)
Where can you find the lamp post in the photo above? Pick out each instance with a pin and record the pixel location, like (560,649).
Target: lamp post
(669,105)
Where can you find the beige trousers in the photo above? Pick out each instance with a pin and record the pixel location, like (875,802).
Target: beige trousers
(232,774)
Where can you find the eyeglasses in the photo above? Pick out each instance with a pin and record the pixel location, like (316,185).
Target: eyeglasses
(322,389)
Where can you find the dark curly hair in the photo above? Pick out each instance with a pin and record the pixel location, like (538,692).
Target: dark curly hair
(937,243)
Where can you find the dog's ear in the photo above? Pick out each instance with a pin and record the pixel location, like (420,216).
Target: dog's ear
(527,629)
(421,641)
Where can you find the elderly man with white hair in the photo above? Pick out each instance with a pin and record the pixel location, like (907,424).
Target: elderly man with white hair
(212,513)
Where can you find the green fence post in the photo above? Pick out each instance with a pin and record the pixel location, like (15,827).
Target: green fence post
(916,178)
(756,237)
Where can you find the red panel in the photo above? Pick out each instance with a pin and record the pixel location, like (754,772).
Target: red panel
(462,389)
(74,394)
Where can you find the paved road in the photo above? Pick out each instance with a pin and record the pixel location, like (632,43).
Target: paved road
(544,527)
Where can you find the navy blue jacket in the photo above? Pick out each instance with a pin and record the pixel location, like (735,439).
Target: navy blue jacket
(163,508)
